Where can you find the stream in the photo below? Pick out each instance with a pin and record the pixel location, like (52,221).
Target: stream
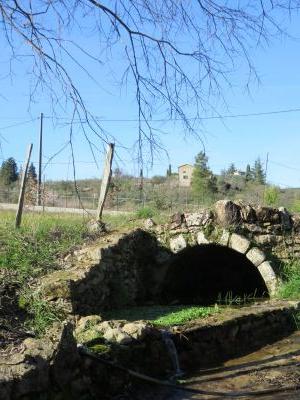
(275,366)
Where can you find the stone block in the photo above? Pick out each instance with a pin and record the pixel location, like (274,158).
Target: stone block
(224,239)
(201,239)
(256,256)
(239,243)
(177,243)
(269,276)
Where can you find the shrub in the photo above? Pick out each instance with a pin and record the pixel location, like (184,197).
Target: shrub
(145,212)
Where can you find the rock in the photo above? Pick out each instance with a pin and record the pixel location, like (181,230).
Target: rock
(96,227)
(296,223)
(266,239)
(227,213)
(137,330)
(239,243)
(88,322)
(149,224)
(177,243)
(224,239)
(285,218)
(41,364)
(269,276)
(176,221)
(267,214)
(198,219)
(201,239)
(248,214)
(256,256)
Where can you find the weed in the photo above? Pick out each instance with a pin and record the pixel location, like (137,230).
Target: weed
(290,288)
(163,315)
(145,212)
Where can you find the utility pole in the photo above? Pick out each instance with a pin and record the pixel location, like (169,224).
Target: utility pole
(39,183)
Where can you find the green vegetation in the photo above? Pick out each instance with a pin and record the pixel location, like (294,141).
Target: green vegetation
(290,288)
(203,180)
(9,171)
(145,212)
(33,249)
(163,315)
(271,196)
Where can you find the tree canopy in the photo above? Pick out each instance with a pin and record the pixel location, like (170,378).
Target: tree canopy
(203,180)
(9,171)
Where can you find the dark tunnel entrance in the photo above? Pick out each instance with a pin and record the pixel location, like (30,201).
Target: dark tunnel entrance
(206,273)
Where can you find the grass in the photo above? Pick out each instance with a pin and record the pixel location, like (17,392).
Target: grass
(33,249)
(36,248)
(290,288)
(163,316)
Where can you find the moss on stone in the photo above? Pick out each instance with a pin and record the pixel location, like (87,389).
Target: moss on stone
(99,348)
(88,335)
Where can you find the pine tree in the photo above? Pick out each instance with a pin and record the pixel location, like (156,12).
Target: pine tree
(258,172)
(203,180)
(231,170)
(32,172)
(248,174)
(9,171)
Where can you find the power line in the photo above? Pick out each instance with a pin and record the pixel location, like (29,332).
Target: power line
(272,112)
(284,165)
(18,124)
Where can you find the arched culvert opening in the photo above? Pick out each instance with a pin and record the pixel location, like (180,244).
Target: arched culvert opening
(206,273)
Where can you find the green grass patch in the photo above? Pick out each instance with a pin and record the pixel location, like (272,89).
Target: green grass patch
(163,315)
(32,250)
(290,288)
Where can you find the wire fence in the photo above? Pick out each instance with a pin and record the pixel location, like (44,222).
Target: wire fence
(181,200)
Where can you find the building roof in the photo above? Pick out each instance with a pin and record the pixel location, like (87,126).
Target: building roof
(183,165)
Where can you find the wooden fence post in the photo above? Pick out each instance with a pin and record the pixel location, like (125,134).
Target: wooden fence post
(23,187)
(105,180)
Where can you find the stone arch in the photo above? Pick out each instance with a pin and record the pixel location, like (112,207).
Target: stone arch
(239,243)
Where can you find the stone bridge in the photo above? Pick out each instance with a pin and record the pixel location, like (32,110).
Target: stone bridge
(231,248)
(268,237)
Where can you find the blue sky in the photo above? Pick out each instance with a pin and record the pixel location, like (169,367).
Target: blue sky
(240,140)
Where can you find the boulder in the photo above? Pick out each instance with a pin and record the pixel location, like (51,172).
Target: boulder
(227,213)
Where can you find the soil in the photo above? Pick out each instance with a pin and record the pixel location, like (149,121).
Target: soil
(12,317)
(276,366)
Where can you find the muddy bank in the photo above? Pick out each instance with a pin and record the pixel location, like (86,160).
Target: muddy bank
(274,367)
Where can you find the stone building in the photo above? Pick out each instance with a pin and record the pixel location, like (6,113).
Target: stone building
(185,173)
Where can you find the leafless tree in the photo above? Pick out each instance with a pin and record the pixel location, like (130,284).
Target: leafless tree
(177,53)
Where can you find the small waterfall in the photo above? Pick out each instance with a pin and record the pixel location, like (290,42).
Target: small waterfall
(166,336)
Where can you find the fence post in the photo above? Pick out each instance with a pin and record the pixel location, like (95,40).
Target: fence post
(105,180)
(22,188)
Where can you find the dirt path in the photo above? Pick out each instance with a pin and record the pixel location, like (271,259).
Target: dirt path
(274,367)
